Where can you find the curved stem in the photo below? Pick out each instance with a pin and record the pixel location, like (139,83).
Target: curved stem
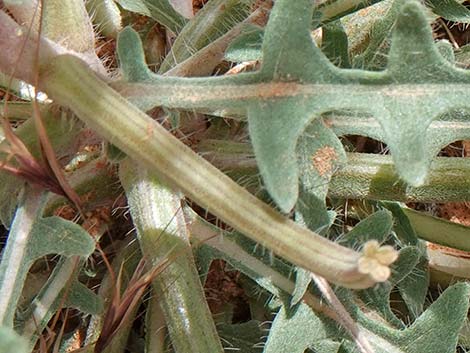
(71,83)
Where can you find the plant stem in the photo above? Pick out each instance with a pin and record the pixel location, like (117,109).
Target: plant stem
(266,275)
(70,82)
(272,279)
(374,177)
(365,176)
(156,327)
(126,261)
(12,270)
(49,299)
(333,9)
(438,230)
(157,213)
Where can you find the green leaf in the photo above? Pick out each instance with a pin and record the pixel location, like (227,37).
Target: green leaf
(437,329)
(378,298)
(302,281)
(30,238)
(327,346)
(319,154)
(159,10)
(360,26)
(247,46)
(450,10)
(275,156)
(55,235)
(446,49)
(82,298)
(295,329)
(377,226)
(246,337)
(210,23)
(131,56)
(374,45)
(335,44)
(297,83)
(402,225)
(414,287)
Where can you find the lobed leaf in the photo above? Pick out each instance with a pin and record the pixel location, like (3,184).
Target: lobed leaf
(297,83)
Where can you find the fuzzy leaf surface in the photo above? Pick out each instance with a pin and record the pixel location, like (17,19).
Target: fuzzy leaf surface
(297,83)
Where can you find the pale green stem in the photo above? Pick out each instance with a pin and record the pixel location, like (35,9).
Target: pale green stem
(213,20)
(70,20)
(106,14)
(155,326)
(71,83)
(205,60)
(438,230)
(48,302)
(18,50)
(365,176)
(13,271)
(161,228)
(374,177)
(333,9)
(267,277)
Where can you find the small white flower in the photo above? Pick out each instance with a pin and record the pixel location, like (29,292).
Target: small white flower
(376,259)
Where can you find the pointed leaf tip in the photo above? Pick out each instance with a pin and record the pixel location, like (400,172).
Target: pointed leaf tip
(414,173)
(414,56)
(437,329)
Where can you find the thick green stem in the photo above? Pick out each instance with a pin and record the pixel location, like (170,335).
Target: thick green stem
(374,177)
(156,327)
(365,176)
(71,83)
(161,229)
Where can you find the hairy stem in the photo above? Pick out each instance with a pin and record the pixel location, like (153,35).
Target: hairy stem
(71,83)
(157,213)
(374,177)
(12,270)
(365,176)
